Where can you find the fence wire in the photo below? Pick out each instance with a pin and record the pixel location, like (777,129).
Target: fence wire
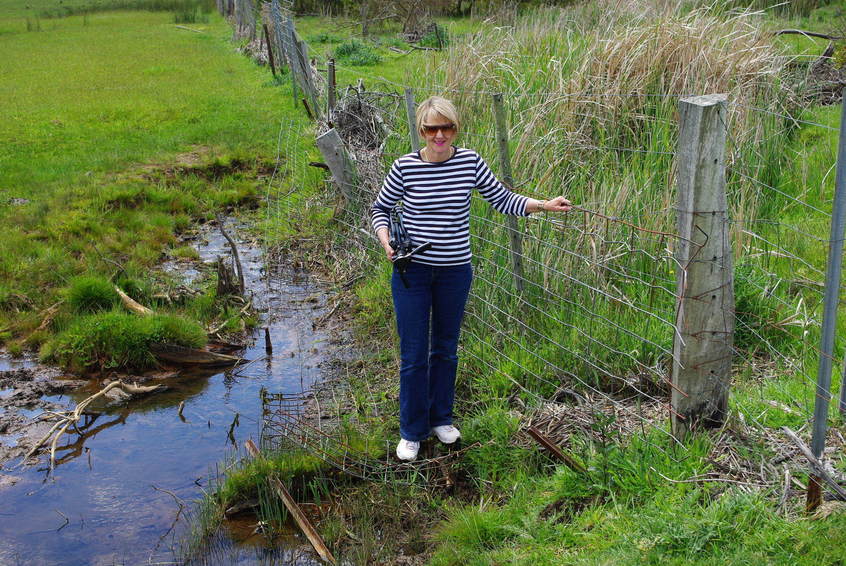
(594,308)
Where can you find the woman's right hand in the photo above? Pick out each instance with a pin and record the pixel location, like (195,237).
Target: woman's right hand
(385,240)
(389,251)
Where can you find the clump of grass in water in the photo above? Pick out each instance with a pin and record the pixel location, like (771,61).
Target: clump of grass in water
(91,293)
(117,340)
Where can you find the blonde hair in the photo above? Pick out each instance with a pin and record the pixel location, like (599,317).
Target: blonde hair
(440,105)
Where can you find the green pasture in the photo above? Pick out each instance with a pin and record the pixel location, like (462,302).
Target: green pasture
(120,131)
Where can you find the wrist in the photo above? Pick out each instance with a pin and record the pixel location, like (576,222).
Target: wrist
(542,205)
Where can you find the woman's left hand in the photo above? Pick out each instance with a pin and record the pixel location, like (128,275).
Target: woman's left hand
(558,204)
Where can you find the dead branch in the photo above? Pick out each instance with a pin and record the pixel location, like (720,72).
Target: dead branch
(131,304)
(300,517)
(70,418)
(234,255)
(818,467)
(189,29)
(808,34)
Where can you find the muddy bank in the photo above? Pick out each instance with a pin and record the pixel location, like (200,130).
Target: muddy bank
(26,395)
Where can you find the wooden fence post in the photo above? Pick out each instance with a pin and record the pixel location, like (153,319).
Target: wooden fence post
(330,90)
(412,119)
(702,346)
(340,165)
(514,235)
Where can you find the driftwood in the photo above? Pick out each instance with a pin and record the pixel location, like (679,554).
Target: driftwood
(130,303)
(300,517)
(70,418)
(191,356)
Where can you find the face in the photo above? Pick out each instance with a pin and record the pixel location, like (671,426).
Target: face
(438,139)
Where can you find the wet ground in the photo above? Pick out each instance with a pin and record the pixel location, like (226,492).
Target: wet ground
(112,498)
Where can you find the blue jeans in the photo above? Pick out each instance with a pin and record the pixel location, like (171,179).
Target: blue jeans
(429,314)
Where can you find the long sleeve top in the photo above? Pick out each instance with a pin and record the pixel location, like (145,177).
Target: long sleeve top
(436,202)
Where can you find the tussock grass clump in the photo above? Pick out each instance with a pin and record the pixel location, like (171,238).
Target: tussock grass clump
(116,340)
(91,293)
(356,53)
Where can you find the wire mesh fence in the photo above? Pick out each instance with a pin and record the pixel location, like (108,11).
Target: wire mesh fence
(594,308)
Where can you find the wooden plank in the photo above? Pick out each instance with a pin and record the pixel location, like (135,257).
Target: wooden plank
(302,520)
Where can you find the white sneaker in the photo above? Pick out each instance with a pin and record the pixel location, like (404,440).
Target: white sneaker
(407,449)
(447,434)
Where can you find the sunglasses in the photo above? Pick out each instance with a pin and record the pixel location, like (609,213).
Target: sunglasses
(445,128)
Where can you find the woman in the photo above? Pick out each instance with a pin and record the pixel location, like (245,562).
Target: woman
(434,185)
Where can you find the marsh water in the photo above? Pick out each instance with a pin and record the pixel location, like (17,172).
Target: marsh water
(112,499)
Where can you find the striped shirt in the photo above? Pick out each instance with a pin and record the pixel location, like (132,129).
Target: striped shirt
(436,202)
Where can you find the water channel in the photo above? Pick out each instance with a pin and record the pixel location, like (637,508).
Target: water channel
(107,502)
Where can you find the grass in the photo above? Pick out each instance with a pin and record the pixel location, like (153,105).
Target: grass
(142,132)
(115,156)
(592,92)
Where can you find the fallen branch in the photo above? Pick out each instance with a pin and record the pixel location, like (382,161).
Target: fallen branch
(808,34)
(49,314)
(816,465)
(131,304)
(70,418)
(574,464)
(300,517)
(193,356)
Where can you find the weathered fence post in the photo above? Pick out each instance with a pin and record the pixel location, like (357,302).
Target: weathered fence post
(702,346)
(340,165)
(330,90)
(829,321)
(412,119)
(514,235)
(300,67)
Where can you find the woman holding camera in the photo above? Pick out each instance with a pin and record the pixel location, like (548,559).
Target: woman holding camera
(434,185)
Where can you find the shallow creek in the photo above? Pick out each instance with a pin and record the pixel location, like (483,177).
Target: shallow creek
(102,505)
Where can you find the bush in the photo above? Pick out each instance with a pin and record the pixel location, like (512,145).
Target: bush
(91,293)
(437,38)
(116,340)
(356,53)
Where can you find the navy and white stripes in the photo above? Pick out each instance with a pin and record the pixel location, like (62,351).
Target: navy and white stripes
(436,202)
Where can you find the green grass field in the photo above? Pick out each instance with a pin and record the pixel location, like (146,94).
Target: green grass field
(121,130)
(99,111)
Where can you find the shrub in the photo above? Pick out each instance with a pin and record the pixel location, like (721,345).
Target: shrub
(117,340)
(438,38)
(91,293)
(356,53)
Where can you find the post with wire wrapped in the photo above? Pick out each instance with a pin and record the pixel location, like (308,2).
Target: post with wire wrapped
(704,335)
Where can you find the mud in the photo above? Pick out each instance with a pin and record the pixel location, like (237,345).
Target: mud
(26,393)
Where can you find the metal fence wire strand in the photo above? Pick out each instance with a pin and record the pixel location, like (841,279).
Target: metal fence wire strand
(595,301)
